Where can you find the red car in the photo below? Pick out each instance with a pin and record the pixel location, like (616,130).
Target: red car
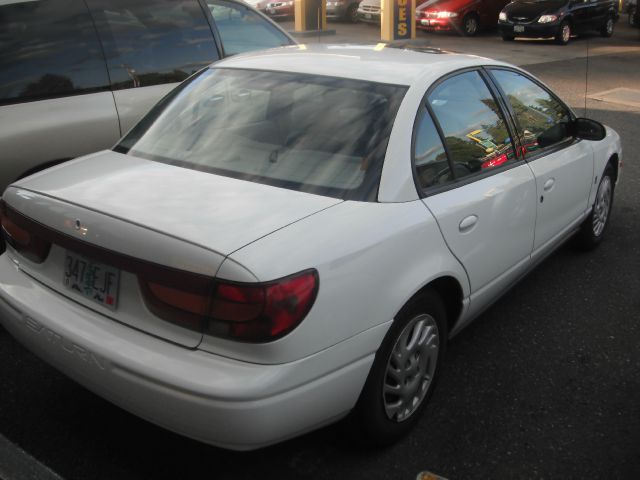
(280,9)
(464,16)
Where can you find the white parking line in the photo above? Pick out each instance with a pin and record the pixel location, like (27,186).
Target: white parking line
(16,464)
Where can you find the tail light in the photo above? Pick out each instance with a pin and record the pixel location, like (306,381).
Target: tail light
(16,234)
(251,312)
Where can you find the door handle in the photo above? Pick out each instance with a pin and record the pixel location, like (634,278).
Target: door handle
(548,185)
(468,223)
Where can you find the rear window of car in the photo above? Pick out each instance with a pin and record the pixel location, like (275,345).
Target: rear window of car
(321,135)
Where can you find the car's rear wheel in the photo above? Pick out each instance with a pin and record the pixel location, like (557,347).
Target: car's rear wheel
(595,225)
(632,16)
(404,372)
(470,25)
(352,14)
(607,28)
(564,33)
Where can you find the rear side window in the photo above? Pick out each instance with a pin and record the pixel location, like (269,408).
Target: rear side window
(48,48)
(243,30)
(151,42)
(475,133)
(541,118)
(432,165)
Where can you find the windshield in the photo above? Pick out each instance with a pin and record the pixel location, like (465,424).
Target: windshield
(321,135)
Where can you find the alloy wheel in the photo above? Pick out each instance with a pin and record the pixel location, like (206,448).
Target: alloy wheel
(470,25)
(411,368)
(602,206)
(566,33)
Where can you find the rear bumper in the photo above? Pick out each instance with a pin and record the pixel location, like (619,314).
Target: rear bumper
(217,400)
(369,17)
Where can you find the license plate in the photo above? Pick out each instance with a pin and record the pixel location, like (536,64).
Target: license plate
(424,22)
(367,16)
(272,11)
(518,28)
(92,280)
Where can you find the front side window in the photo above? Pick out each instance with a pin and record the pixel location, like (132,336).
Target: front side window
(316,134)
(542,120)
(243,30)
(151,42)
(474,129)
(48,48)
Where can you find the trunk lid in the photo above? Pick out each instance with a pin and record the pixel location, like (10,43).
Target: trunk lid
(113,206)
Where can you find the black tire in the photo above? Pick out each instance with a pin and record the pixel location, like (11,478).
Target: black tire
(507,38)
(607,28)
(371,419)
(594,227)
(352,14)
(470,25)
(564,33)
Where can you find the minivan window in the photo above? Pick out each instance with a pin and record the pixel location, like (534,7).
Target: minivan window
(48,48)
(309,133)
(243,30)
(474,129)
(151,42)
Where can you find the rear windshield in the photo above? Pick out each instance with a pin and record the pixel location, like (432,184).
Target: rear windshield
(321,135)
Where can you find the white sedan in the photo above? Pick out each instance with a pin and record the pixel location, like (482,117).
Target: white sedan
(291,237)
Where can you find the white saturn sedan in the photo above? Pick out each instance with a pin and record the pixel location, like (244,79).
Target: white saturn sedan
(291,237)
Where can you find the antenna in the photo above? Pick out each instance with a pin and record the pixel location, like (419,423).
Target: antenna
(586,78)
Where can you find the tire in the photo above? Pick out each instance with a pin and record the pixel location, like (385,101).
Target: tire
(507,38)
(594,227)
(352,14)
(414,349)
(632,15)
(607,29)
(564,33)
(470,25)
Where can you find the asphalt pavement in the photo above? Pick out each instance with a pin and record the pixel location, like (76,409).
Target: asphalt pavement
(545,384)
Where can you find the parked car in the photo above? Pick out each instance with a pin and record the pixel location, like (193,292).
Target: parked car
(346,10)
(369,12)
(258,4)
(464,16)
(75,75)
(560,19)
(291,237)
(630,8)
(284,9)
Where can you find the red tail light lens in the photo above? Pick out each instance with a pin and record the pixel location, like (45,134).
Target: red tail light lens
(258,312)
(28,244)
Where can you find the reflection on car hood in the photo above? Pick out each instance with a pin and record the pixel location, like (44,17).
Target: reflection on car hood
(443,5)
(532,8)
(219,213)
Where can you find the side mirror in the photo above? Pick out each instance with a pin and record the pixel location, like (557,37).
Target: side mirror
(587,129)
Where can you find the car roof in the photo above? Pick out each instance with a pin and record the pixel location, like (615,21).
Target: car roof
(398,64)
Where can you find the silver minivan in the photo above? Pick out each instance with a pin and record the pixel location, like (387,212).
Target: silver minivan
(75,75)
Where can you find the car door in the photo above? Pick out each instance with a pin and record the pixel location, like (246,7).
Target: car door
(482,195)
(150,46)
(55,102)
(563,166)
